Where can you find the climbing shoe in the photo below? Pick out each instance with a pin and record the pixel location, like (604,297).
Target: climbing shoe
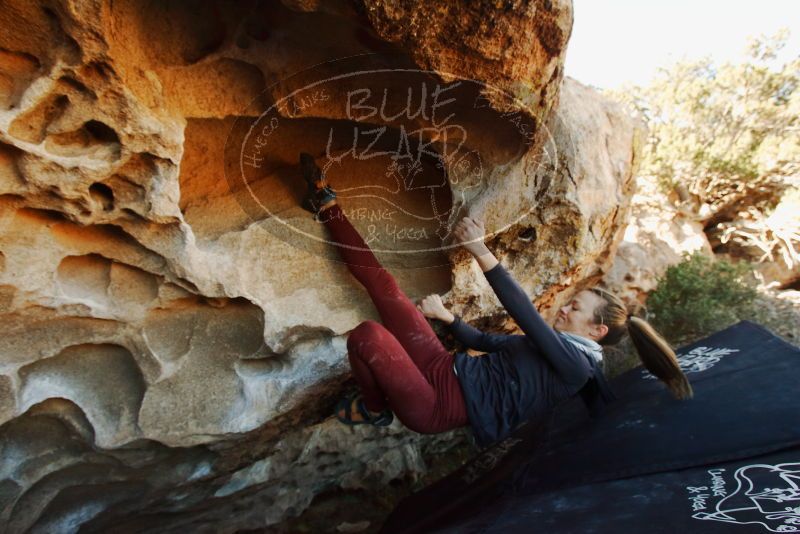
(385,418)
(318,191)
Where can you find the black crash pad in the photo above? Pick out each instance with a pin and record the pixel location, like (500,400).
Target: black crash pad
(642,466)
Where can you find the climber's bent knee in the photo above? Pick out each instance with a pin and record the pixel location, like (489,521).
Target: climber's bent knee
(366,330)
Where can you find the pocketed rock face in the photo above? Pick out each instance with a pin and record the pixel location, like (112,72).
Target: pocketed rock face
(174,324)
(576,199)
(514,45)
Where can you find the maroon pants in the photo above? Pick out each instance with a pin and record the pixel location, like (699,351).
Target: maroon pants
(400,363)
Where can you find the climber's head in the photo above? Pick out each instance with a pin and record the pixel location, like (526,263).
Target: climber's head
(654,351)
(579,316)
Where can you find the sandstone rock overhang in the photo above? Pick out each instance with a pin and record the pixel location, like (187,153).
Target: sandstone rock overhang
(163,312)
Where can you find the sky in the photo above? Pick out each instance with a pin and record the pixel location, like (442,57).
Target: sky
(618,41)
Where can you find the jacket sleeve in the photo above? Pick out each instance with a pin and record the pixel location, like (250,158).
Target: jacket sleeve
(476,339)
(572,366)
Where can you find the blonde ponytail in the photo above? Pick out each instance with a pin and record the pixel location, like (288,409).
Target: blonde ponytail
(658,357)
(654,352)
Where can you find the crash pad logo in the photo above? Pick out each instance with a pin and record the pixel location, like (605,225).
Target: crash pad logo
(697,360)
(405,150)
(758,494)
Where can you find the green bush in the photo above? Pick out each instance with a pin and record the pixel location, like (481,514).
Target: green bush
(699,296)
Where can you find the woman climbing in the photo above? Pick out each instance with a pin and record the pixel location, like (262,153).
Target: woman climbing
(402,368)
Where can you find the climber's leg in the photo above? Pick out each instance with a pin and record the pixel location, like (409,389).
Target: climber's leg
(398,313)
(424,402)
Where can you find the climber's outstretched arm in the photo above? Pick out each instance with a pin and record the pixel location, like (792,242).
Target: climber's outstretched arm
(573,367)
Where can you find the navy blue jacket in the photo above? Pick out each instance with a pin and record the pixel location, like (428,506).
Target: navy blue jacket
(522,376)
